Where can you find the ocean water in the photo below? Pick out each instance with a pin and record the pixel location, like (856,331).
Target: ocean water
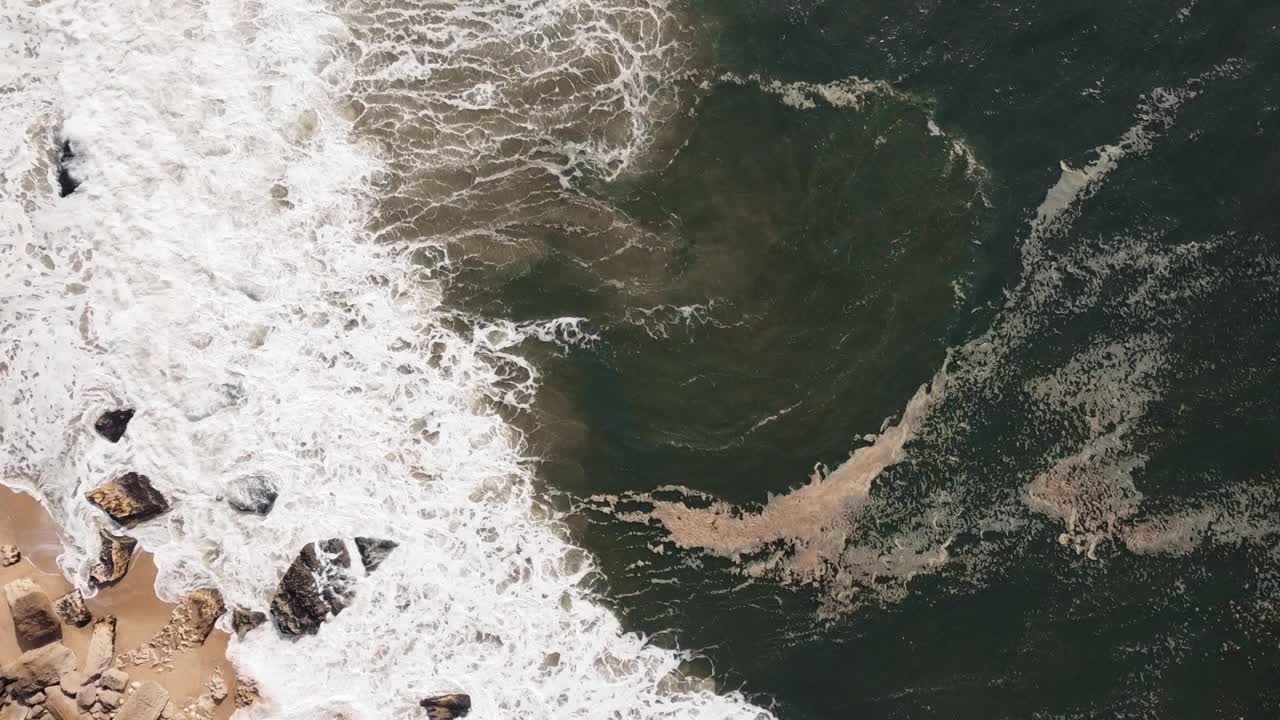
(706,359)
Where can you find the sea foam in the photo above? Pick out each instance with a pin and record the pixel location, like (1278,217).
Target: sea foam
(216,271)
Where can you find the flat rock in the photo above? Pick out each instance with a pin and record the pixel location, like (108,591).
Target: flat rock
(71,609)
(253,494)
(9,555)
(102,651)
(33,620)
(447,707)
(144,703)
(373,551)
(14,711)
(38,669)
(62,707)
(316,584)
(115,679)
(72,682)
(114,552)
(242,621)
(112,424)
(129,499)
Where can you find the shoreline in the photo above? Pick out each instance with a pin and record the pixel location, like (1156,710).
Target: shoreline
(141,617)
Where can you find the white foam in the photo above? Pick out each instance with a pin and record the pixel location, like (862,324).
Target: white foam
(260,333)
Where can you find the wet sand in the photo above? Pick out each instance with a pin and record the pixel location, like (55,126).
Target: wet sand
(140,614)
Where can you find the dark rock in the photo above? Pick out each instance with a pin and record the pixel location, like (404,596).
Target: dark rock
(317,583)
(34,623)
(66,183)
(113,559)
(129,499)
(447,707)
(253,494)
(112,424)
(72,610)
(373,551)
(242,621)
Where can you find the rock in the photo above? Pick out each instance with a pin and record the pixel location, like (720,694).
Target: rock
(71,609)
(253,494)
(36,712)
(61,707)
(14,711)
(66,183)
(111,424)
(102,650)
(110,699)
(72,682)
(129,499)
(316,584)
(217,687)
(113,559)
(115,679)
(33,620)
(9,555)
(242,621)
(145,703)
(37,699)
(446,707)
(373,551)
(168,712)
(38,669)
(246,691)
(87,696)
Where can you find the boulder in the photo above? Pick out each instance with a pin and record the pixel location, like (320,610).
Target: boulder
(72,682)
(66,183)
(115,679)
(110,699)
(87,696)
(38,669)
(102,651)
(14,711)
(317,583)
(61,707)
(114,552)
(33,620)
(9,555)
(242,621)
(129,499)
(447,707)
(373,551)
(144,703)
(112,424)
(72,610)
(253,494)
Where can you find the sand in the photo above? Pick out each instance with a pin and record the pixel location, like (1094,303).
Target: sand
(140,614)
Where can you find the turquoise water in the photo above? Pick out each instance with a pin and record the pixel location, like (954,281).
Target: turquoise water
(1100,471)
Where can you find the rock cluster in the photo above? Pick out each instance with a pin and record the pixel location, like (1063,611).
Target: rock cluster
(129,499)
(319,583)
(189,625)
(112,424)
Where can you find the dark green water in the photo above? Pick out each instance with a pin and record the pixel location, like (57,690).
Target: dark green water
(833,257)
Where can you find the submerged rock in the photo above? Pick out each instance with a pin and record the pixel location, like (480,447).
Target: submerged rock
(373,551)
(66,183)
(242,621)
(34,623)
(112,424)
(113,559)
(72,610)
(9,555)
(447,707)
(317,583)
(129,499)
(253,494)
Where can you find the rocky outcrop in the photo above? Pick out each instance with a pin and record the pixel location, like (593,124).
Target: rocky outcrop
(316,584)
(373,551)
(114,552)
(129,499)
(72,610)
(38,669)
(144,703)
(34,623)
(447,707)
(9,555)
(242,621)
(253,494)
(112,424)
(102,649)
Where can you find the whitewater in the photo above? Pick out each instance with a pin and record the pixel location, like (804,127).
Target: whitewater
(225,268)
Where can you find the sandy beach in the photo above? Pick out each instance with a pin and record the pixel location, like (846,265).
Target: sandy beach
(141,618)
